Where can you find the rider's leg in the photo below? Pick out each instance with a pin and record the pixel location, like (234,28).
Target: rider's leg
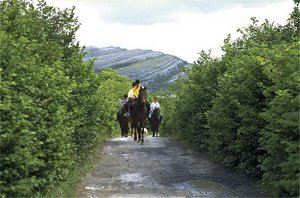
(127,107)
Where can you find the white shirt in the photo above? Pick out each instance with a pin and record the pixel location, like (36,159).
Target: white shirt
(154,105)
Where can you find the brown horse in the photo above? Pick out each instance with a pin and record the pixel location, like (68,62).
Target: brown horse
(123,122)
(155,122)
(139,114)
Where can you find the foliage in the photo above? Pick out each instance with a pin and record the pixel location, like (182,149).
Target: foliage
(244,107)
(239,101)
(167,106)
(54,108)
(280,138)
(194,99)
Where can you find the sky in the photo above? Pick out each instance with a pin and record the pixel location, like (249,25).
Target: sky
(178,27)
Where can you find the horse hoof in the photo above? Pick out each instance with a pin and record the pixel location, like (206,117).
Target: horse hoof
(135,139)
(142,143)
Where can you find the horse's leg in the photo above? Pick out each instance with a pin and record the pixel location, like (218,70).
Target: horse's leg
(121,127)
(153,130)
(131,129)
(139,131)
(126,127)
(142,132)
(138,134)
(135,133)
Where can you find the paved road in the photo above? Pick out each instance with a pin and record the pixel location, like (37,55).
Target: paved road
(160,168)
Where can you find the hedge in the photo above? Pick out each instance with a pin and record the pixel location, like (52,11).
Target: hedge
(54,108)
(243,108)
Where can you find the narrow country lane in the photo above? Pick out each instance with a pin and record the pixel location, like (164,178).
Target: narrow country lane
(161,168)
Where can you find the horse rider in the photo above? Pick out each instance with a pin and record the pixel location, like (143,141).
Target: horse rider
(133,95)
(123,101)
(140,87)
(154,105)
(122,104)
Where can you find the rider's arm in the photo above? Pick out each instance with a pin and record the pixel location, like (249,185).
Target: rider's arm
(130,93)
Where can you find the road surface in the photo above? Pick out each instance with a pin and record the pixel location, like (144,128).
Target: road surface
(162,167)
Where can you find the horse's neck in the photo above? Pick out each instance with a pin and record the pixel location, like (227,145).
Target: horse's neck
(140,98)
(139,101)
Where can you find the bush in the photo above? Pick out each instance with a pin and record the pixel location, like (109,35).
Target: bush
(54,108)
(244,108)
(280,138)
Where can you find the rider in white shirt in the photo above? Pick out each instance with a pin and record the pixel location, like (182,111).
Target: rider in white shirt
(153,106)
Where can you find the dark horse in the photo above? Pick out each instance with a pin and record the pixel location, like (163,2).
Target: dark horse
(139,114)
(123,121)
(155,121)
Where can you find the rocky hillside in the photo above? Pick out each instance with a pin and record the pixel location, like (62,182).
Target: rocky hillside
(155,70)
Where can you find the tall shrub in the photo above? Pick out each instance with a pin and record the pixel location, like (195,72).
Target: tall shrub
(280,138)
(54,108)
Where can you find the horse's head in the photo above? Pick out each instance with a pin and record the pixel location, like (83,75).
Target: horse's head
(142,96)
(156,111)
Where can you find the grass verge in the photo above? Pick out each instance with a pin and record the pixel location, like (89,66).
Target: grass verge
(70,186)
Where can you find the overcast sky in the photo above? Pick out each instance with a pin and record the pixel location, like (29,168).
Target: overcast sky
(179,27)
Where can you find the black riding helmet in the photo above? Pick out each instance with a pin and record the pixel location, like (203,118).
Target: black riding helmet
(137,81)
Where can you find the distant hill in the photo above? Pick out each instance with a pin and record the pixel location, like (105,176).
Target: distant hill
(154,69)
